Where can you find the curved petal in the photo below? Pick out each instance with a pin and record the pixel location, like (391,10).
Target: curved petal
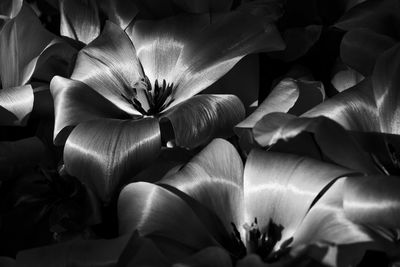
(385,82)
(103,153)
(94,253)
(214,177)
(208,257)
(8,10)
(15,105)
(282,187)
(335,143)
(159,44)
(75,102)
(373,200)
(209,54)
(153,210)
(21,42)
(204,117)
(80,20)
(109,65)
(360,49)
(121,12)
(354,109)
(345,78)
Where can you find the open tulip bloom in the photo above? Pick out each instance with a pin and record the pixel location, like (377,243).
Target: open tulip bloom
(278,203)
(125,82)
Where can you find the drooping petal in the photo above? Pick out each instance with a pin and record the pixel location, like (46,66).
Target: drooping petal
(209,54)
(109,65)
(8,10)
(208,257)
(204,117)
(159,44)
(93,253)
(334,143)
(373,201)
(75,102)
(385,82)
(214,177)
(21,42)
(103,153)
(153,210)
(15,105)
(80,20)
(16,156)
(281,188)
(360,49)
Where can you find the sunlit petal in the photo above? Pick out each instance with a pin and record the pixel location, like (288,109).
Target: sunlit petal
(208,257)
(80,20)
(153,210)
(373,200)
(109,65)
(15,105)
(214,177)
(103,153)
(21,41)
(282,187)
(204,117)
(74,103)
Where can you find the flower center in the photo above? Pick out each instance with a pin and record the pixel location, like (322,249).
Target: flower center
(262,244)
(150,100)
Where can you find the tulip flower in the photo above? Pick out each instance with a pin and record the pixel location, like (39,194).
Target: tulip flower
(121,88)
(277,204)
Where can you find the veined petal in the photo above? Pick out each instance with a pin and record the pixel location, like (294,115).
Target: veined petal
(208,257)
(373,201)
(209,54)
(360,49)
(15,105)
(109,65)
(103,153)
(21,42)
(204,117)
(80,20)
(159,44)
(16,156)
(282,187)
(334,142)
(93,253)
(385,82)
(153,210)
(354,109)
(75,102)
(214,177)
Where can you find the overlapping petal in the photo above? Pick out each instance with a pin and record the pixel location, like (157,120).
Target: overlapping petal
(281,188)
(103,153)
(203,117)
(16,104)
(121,12)
(8,10)
(109,65)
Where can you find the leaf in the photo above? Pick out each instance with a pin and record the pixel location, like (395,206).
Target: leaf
(104,153)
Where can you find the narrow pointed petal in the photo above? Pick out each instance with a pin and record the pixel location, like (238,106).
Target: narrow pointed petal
(75,102)
(159,44)
(121,12)
(282,187)
(16,156)
(360,49)
(214,177)
(21,42)
(15,105)
(373,201)
(109,65)
(208,257)
(85,253)
(327,135)
(209,54)
(103,153)
(80,20)
(153,210)
(327,222)
(203,117)
(385,82)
